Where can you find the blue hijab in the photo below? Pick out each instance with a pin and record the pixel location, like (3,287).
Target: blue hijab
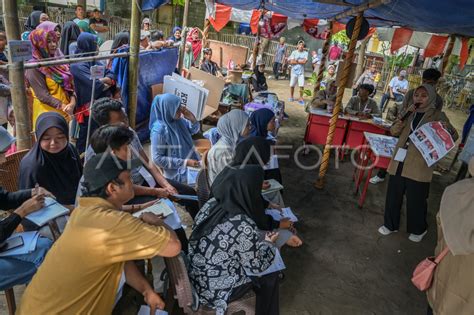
(162,116)
(174,39)
(86,44)
(259,121)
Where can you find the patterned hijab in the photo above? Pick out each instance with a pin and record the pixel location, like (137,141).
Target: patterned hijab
(197,44)
(58,73)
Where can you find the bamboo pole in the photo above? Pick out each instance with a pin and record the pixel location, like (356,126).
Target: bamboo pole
(183,36)
(17,79)
(63,61)
(449,50)
(322,66)
(257,43)
(337,107)
(361,59)
(134,61)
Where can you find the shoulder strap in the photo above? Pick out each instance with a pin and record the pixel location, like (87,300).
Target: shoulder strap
(442,255)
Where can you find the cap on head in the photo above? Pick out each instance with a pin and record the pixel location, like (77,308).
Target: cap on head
(105,167)
(403,73)
(146,21)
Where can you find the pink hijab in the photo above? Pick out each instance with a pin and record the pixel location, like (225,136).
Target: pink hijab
(49,26)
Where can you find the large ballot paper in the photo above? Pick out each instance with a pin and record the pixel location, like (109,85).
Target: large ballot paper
(192,95)
(433,141)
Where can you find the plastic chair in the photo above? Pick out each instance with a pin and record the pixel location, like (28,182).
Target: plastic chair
(10,171)
(182,291)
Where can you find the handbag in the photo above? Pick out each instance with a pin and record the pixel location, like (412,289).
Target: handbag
(424,271)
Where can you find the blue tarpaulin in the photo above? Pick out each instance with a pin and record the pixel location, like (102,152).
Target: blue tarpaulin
(152,68)
(435,16)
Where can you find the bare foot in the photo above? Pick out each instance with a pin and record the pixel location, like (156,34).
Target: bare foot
(294,241)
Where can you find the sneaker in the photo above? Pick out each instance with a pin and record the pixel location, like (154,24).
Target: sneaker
(375,180)
(385,231)
(301,102)
(417,238)
(291,99)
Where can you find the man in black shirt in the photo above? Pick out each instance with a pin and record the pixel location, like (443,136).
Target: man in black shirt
(210,66)
(98,24)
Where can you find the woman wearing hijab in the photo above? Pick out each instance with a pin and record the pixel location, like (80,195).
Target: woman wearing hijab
(52,86)
(176,36)
(69,37)
(85,28)
(53,162)
(50,26)
(225,244)
(31,23)
(104,87)
(121,40)
(196,43)
(188,60)
(259,82)
(410,176)
(263,124)
(231,127)
(452,291)
(172,146)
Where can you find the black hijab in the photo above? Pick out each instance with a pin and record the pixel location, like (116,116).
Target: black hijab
(120,39)
(237,191)
(252,151)
(69,34)
(33,21)
(261,81)
(59,173)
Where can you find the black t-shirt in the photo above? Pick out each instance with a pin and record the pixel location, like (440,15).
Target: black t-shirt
(98,21)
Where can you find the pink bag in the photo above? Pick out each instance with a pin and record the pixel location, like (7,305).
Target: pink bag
(424,272)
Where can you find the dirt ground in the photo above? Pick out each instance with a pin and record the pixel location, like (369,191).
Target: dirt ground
(344,266)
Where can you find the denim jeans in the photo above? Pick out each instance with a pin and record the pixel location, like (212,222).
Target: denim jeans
(20,269)
(386,97)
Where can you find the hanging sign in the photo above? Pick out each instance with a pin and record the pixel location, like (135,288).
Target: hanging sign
(20,50)
(97,72)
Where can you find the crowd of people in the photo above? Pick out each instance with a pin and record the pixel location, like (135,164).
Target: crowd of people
(233,241)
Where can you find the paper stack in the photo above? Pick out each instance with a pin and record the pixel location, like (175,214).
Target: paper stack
(274,186)
(51,211)
(159,208)
(192,95)
(29,240)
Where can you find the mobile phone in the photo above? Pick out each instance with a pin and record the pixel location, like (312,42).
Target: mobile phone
(11,243)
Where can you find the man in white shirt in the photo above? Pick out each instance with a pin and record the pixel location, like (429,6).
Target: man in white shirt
(80,14)
(397,88)
(297,60)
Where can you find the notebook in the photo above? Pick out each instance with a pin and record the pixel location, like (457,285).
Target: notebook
(50,211)
(145,310)
(29,244)
(158,208)
(192,175)
(186,197)
(277,215)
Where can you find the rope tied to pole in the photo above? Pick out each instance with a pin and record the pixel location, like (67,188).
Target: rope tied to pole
(337,107)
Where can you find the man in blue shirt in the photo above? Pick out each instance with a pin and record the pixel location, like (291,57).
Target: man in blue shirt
(297,60)
(397,88)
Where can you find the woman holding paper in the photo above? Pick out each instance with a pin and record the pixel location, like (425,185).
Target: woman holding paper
(19,269)
(231,127)
(53,162)
(171,127)
(409,172)
(227,230)
(52,87)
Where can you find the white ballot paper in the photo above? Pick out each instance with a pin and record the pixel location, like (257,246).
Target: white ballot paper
(433,141)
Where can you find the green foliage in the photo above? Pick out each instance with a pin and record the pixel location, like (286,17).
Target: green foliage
(401,61)
(312,81)
(341,38)
(178,2)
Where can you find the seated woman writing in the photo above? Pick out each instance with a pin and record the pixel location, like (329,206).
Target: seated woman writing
(171,128)
(234,214)
(19,269)
(362,105)
(52,162)
(231,127)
